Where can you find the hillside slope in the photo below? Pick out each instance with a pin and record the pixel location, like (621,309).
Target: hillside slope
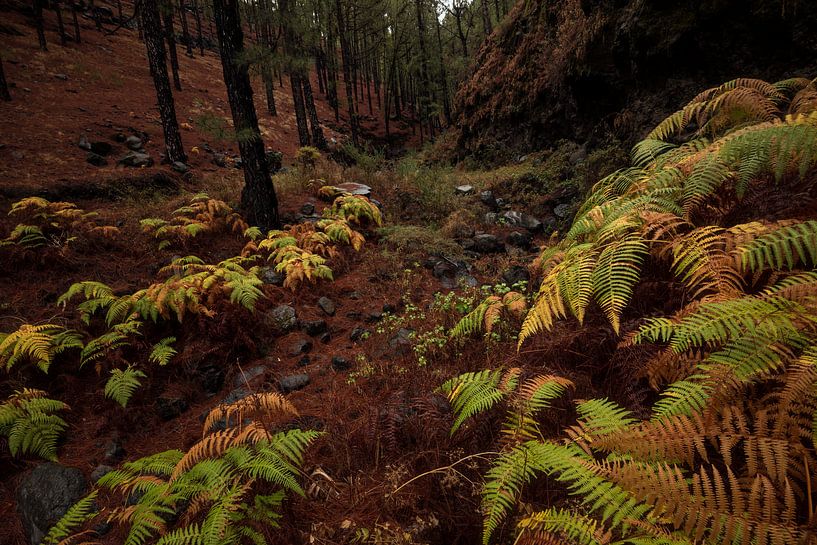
(581,69)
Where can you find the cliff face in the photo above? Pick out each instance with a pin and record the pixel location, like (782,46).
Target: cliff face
(583,70)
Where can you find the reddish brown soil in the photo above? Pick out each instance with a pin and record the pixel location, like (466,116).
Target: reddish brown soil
(109,90)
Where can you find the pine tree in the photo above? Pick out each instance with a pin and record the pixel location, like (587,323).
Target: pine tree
(4,88)
(258,198)
(170,36)
(154,43)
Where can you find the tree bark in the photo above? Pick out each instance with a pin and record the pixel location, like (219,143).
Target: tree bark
(258,198)
(60,24)
(170,36)
(95,15)
(318,139)
(77,38)
(300,108)
(486,18)
(198,26)
(347,73)
(38,22)
(154,43)
(185,31)
(4,88)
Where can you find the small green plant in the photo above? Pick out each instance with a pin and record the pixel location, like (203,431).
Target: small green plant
(307,157)
(29,422)
(37,344)
(122,384)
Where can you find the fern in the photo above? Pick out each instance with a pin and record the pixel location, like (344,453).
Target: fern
(215,492)
(163,352)
(28,421)
(202,215)
(38,344)
(122,384)
(77,515)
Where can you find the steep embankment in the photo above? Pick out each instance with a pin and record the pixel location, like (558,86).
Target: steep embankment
(584,69)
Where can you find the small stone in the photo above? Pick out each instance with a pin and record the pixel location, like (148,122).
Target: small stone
(63,77)
(339,363)
(246,376)
(490,218)
(169,406)
(515,274)
(464,189)
(114,452)
(353,295)
(374,317)
(133,142)
(315,327)
(519,239)
(120,137)
(353,188)
(358,334)
(84,143)
(520,219)
(283,318)
(308,209)
(487,198)
(136,159)
(327,305)
(270,276)
(400,343)
(293,382)
(220,160)
(325,338)
(562,211)
(179,167)
(96,160)
(488,244)
(45,495)
(304,361)
(100,471)
(301,346)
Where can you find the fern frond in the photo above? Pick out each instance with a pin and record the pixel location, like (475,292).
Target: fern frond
(122,384)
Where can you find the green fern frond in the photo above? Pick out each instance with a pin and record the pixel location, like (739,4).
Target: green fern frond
(163,352)
(474,393)
(77,515)
(122,384)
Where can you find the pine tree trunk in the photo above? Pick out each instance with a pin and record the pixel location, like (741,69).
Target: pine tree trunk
(185,31)
(318,139)
(95,15)
(347,73)
(4,88)
(443,76)
(60,24)
(266,69)
(154,43)
(77,37)
(170,36)
(38,22)
(258,198)
(486,18)
(198,26)
(300,108)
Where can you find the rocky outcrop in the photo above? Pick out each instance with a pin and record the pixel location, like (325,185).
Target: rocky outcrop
(583,69)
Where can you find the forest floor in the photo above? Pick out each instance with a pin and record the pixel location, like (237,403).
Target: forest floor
(384,422)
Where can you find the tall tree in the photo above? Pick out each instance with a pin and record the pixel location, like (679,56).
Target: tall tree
(258,198)
(4,88)
(347,72)
(60,24)
(486,18)
(170,36)
(74,9)
(38,22)
(199,37)
(154,42)
(318,139)
(185,31)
